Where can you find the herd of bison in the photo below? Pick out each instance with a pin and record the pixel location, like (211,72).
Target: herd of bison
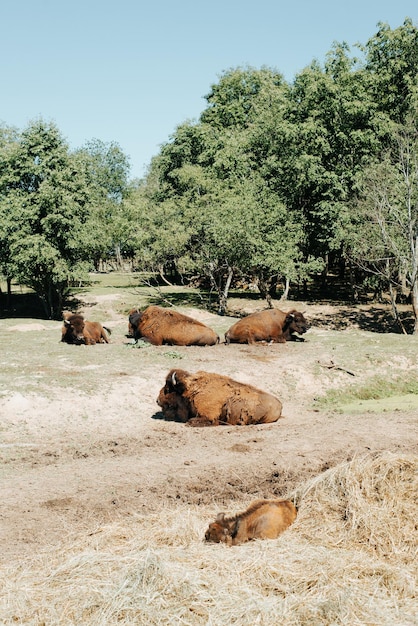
(209,399)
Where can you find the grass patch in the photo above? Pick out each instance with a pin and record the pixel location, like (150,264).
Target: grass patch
(378,394)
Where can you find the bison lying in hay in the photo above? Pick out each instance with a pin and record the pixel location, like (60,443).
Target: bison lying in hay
(270,325)
(204,399)
(164,326)
(76,330)
(264,519)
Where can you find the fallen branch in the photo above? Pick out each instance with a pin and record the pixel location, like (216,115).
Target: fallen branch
(331,365)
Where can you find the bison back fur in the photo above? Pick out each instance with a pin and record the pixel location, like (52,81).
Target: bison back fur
(206,399)
(270,325)
(161,326)
(264,519)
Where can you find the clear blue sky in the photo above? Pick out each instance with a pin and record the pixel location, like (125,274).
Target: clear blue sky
(131,71)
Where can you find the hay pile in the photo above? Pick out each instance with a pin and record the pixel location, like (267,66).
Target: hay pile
(368,503)
(348,559)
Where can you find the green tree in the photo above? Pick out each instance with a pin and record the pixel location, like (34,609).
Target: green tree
(391,62)
(384,233)
(334,132)
(232,101)
(8,139)
(45,202)
(107,170)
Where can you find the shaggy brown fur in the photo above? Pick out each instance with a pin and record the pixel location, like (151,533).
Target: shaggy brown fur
(205,399)
(164,326)
(264,519)
(76,330)
(270,325)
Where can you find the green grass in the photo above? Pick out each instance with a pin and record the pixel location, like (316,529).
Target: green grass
(378,394)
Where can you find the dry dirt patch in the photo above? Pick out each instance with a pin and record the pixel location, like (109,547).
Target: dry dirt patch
(83,447)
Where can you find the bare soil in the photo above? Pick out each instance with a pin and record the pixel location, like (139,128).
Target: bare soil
(83,443)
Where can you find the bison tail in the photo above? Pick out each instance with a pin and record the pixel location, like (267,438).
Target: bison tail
(227,339)
(107,330)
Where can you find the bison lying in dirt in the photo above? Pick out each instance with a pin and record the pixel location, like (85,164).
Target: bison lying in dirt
(204,399)
(76,330)
(271,325)
(164,326)
(264,519)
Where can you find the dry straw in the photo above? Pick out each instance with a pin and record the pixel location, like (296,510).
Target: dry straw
(348,559)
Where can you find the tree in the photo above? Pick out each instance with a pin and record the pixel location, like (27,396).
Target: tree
(385,229)
(391,62)
(8,139)
(331,132)
(232,101)
(107,169)
(208,179)
(45,202)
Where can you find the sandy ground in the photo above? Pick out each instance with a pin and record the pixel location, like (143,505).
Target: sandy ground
(88,445)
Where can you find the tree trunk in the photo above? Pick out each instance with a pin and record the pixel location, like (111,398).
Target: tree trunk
(162,276)
(414,286)
(324,273)
(286,289)
(395,311)
(223,293)
(9,292)
(264,289)
(119,259)
(414,295)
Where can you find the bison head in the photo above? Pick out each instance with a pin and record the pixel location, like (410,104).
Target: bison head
(174,405)
(220,531)
(134,319)
(73,330)
(295,322)
(176,380)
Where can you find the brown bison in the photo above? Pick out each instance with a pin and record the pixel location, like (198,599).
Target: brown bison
(76,330)
(164,326)
(264,519)
(205,399)
(271,325)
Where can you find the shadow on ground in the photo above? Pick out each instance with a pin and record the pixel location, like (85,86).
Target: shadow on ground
(374,319)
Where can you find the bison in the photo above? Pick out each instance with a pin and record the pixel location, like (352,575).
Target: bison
(161,326)
(205,399)
(271,325)
(76,330)
(264,519)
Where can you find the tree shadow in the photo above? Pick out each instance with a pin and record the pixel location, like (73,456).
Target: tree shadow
(21,305)
(373,319)
(189,299)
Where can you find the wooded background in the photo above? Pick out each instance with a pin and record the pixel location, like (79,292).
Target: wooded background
(275,185)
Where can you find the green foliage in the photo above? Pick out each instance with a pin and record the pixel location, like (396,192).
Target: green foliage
(273,181)
(384,230)
(264,184)
(391,65)
(48,231)
(232,101)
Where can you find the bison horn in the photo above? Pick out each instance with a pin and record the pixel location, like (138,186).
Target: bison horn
(173,378)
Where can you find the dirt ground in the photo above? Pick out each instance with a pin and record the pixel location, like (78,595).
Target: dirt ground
(83,443)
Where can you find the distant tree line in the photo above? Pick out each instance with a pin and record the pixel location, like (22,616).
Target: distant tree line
(275,183)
